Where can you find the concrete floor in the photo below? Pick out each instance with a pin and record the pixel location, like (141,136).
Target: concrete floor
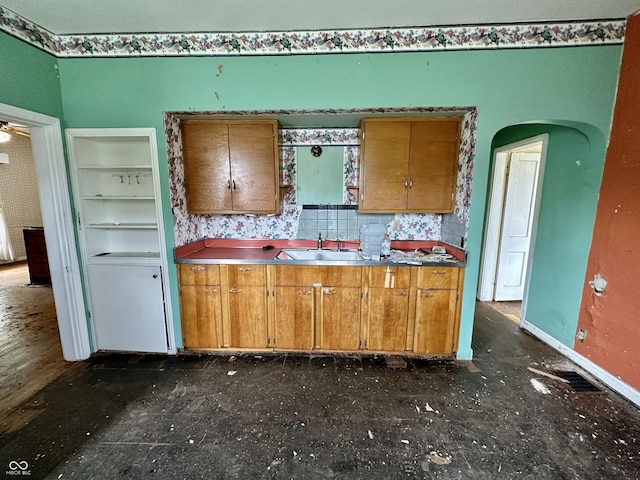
(263,417)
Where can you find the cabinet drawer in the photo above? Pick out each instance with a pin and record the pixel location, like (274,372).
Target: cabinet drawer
(390,276)
(437,278)
(246,274)
(302,275)
(192,274)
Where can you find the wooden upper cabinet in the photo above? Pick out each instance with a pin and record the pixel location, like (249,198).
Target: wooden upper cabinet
(409,165)
(384,166)
(231,166)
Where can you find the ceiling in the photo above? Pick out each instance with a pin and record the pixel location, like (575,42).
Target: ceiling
(64,17)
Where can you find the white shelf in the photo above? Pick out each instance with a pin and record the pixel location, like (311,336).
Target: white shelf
(115,167)
(116,192)
(127,255)
(115,197)
(141,226)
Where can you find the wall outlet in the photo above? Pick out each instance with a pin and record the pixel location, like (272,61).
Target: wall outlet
(581,335)
(395,225)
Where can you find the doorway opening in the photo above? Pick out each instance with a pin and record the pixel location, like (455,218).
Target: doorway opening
(30,343)
(58,227)
(516,186)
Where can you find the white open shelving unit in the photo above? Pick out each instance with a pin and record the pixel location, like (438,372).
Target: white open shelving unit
(119,219)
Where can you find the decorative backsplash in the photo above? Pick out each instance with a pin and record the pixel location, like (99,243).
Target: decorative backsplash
(333,221)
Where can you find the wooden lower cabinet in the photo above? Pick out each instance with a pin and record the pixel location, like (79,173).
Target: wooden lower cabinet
(201,316)
(386,308)
(437,315)
(338,318)
(293,318)
(435,321)
(247,317)
(244,306)
(200,306)
(395,309)
(322,303)
(388,312)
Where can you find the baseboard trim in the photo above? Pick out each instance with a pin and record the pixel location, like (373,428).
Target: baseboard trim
(614,383)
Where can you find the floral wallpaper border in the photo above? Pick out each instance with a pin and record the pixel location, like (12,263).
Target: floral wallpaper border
(188,228)
(319,136)
(417,39)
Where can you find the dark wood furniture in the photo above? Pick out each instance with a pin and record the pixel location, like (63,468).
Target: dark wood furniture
(37,255)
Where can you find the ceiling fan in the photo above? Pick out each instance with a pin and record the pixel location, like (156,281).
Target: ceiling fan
(7,129)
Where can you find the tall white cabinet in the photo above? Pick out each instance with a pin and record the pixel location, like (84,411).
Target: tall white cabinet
(116,190)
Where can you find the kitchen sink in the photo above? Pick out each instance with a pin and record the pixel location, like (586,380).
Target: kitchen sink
(321,255)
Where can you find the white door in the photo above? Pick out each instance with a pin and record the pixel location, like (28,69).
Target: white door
(127,308)
(517,225)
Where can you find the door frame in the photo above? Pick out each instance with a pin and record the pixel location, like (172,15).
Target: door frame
(493,227)
(58,223)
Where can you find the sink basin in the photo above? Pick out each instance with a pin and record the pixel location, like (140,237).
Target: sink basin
(322,255)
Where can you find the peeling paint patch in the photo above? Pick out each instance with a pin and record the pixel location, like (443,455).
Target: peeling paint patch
(598,284)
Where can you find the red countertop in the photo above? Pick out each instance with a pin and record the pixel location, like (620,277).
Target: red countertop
(234,250)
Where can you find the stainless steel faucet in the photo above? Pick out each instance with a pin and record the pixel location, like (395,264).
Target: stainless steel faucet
(319,240)
(339,244)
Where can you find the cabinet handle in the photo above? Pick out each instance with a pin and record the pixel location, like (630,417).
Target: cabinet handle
(155,275)
(304,293)
(401,294)
(228,184)
(425,294)
(198,269)
(439,273)
(234,184)
(235,290)
(406,183)
(410,183)
(245,269)
(328,291)
(213,290)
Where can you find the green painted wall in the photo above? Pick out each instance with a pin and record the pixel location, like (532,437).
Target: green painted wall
(29,78)
(572,175)
(508,87)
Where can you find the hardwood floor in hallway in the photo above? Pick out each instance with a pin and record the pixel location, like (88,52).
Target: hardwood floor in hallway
(30,351)
(511,310)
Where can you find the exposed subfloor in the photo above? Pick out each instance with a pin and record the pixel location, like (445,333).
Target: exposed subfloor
(262,417)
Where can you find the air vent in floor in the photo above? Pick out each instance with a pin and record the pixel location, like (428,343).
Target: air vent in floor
(576,381)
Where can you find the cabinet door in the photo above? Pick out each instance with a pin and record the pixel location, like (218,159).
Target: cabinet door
(207,172)
(247,316)
(201,316)
(388,310)
(245,296)
(433,165)
(127,307)
(293,318)
(254,167)
(384,169)
(435,323)
(339,318)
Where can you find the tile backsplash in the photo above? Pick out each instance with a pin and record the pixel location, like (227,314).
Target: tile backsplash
(335,221)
